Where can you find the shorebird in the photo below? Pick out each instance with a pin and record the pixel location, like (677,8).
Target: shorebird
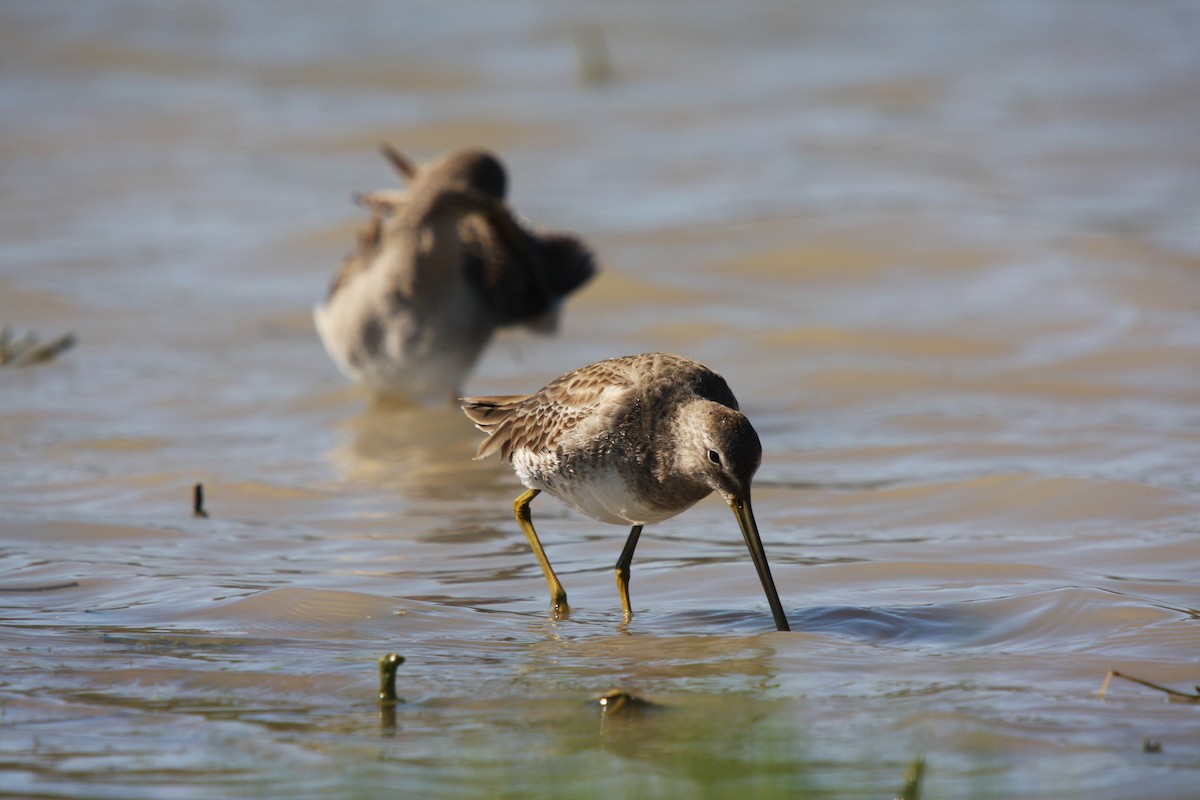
(437,269)
(629,441)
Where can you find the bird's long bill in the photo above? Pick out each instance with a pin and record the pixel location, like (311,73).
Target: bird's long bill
(745,517)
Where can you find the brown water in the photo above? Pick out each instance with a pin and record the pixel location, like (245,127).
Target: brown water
(948,256)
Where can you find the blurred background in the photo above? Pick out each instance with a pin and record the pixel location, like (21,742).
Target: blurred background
(947,255)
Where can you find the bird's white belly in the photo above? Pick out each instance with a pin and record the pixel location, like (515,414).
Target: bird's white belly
(421,353)
(600,493)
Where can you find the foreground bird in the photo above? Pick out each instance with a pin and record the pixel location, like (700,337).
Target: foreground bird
(629,441)
(438,268)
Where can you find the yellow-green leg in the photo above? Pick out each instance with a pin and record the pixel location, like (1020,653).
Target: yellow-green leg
(622,570)
(558,595)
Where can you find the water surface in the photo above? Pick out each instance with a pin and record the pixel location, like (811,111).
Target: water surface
(946,255)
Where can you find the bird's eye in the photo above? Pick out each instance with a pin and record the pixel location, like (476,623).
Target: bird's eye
(714,456)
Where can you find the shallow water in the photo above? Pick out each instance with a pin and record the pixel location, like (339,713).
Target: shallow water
(947,255)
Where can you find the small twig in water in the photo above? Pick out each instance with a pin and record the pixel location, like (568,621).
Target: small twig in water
(198,501)
(591,50)
(387,693)
(25,351)
(47,351)
(913,773)
(1173,695)
(387,678)
(619,701)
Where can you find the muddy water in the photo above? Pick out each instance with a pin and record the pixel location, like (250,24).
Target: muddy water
(947,256)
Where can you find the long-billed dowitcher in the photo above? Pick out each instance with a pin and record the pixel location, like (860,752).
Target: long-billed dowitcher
(630,441)
(437,269)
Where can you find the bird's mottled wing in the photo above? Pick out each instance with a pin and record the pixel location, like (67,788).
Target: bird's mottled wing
(521,287)
(550,415)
